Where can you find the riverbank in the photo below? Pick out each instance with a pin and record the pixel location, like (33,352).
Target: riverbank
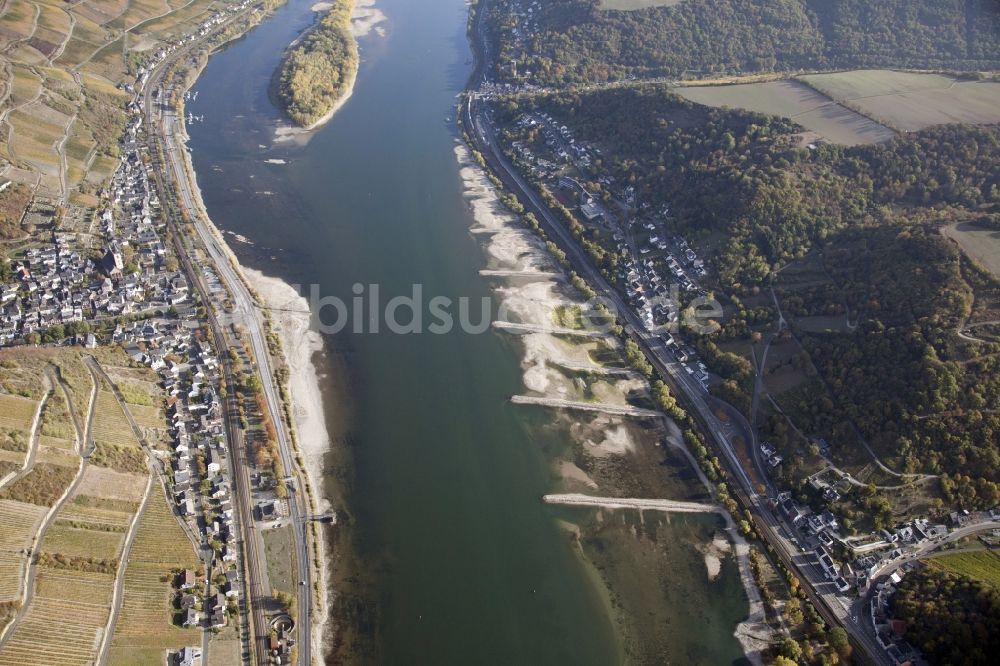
(319,69)
(308,429)
(612,456)
(290,319)
(365,18)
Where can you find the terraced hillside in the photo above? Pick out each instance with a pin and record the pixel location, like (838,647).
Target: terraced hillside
(146,626)
(66,67)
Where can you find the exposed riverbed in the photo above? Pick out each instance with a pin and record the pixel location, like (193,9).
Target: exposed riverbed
(444,552)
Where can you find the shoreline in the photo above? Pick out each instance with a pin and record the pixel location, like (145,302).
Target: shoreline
(303,386)
(509,244)
(365,18)
(291,320)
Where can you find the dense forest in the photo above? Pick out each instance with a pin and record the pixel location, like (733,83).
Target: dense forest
(743,185)
(748,177)
(953,619)
(575,41)
(319,69)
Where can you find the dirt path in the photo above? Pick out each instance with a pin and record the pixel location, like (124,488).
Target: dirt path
(33,434)
(28,588)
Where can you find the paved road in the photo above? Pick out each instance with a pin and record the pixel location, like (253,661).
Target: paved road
(254,631)
(170,130)
(703,407)
(860,615)
(247,315)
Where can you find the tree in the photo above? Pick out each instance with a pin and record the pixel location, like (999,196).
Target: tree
(790,648)
(839,641)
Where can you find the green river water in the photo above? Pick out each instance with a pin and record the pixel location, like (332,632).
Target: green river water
(455,559)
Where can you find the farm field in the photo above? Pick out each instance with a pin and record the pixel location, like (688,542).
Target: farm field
(109,518)
(56,420)
(44,484)
(65,622)
(110,424)
(980,243)
(910,101)
(109,484)
(18,522)
(62,539)
(16,413)
(982,565)
(791,99)
(23,370)
(90,39)
(145,627)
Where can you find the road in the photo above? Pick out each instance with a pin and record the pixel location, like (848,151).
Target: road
(705,409)
(165,128)
(118,592)
(860,609)
(247,315)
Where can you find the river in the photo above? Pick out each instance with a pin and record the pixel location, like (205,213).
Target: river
(458,561)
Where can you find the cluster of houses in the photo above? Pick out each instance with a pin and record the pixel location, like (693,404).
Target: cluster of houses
(771,456)
(889,631)
(131,291)
(49,288)
(524,23)
(188,370)
(216,19)
(201,609)
(820,528)
(198,464)
(559,140)
(54,284)
(654,267)
(871,554)
(656,297)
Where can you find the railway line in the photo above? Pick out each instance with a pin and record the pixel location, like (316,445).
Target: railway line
(161,132)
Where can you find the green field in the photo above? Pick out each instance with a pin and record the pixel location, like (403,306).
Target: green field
(794,100)
(910,101)
(982,565)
